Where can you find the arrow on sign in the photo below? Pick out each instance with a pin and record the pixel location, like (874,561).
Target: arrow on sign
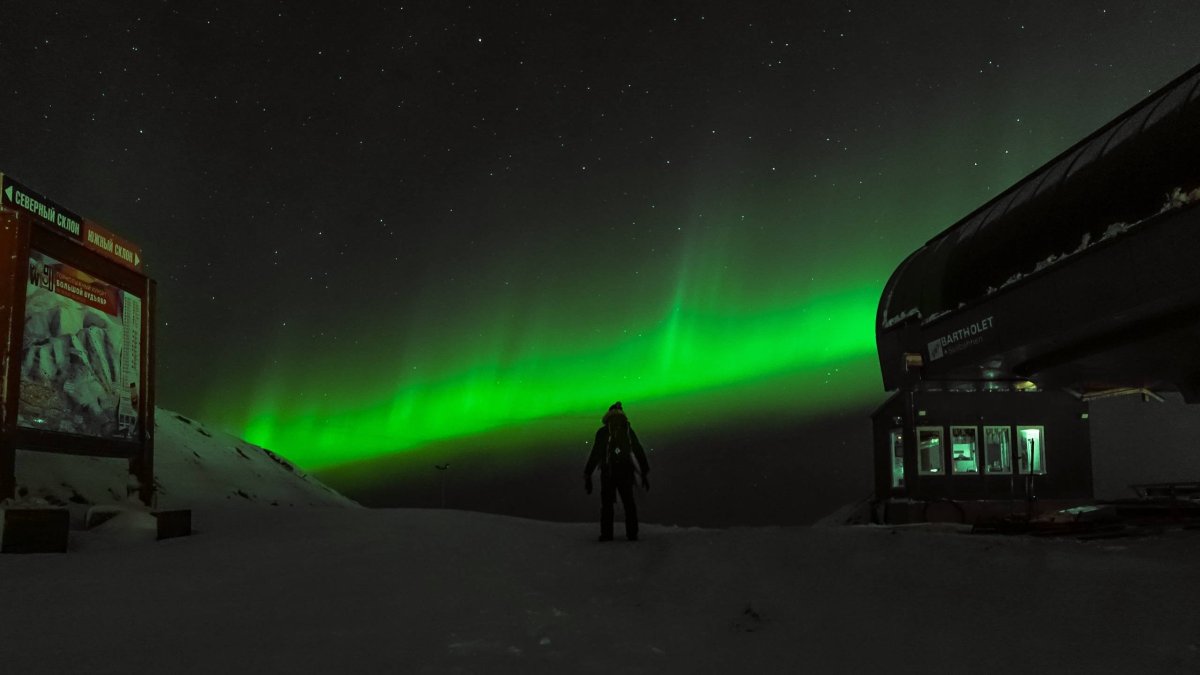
(8,192)
(136,260)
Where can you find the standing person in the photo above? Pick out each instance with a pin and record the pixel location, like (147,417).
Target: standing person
(613,452)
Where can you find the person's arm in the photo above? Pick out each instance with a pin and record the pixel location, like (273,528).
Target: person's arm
(593,460)
(596,454)
(640,454)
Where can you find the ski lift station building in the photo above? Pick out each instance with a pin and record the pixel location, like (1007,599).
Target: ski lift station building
(1080,281)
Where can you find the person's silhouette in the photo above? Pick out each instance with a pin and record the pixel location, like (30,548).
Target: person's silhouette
(614,451)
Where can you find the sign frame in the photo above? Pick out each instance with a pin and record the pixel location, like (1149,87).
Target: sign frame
(23,233)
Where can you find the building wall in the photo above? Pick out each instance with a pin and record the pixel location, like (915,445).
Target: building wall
(1143,441)
(1066,445)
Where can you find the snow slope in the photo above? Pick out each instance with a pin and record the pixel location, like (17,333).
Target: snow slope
(304,590)
(194,466)
(322,590)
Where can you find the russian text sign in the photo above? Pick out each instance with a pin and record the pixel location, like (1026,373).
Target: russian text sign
(81,353)
(91,234)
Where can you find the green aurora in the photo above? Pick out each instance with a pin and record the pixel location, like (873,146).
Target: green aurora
(741,287)
(764,311)
(405,234)
(670,360)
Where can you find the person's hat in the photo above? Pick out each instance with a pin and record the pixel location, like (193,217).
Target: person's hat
(614,410)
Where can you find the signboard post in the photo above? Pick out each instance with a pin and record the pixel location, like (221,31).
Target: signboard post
(11,309)
(76,319)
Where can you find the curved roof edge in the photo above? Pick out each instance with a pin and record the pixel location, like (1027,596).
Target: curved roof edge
(1118,174)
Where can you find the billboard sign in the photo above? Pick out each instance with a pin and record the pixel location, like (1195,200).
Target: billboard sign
(88,232)
(111,246)
(21,198)
(81,353)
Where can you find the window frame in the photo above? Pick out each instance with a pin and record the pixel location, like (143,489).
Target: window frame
(941,466)
(975,430)
(1007,466)
(896,435)
(1040,452)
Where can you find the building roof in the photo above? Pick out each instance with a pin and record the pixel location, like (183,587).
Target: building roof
(1123,173)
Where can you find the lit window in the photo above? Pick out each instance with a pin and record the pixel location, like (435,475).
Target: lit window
(1031,450)
(964,450)
(996,454)
(897,444)
(929,451)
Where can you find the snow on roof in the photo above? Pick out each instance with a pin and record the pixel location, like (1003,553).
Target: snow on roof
(1118,173)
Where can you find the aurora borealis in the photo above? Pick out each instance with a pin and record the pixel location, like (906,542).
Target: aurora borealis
(815,353)
(386,228)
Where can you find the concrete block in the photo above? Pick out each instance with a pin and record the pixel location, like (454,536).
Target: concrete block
(34,530)
(174,523)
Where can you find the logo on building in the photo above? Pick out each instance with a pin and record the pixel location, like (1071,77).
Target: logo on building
(935,350)
(957,340)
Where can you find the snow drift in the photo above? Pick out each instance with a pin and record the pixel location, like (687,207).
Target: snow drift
(194,466)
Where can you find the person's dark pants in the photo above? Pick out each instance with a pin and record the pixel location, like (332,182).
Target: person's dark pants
(609,489)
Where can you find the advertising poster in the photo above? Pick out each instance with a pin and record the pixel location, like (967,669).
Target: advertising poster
(81,355)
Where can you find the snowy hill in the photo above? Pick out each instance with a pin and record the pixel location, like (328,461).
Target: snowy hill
(261,590)
(194,466)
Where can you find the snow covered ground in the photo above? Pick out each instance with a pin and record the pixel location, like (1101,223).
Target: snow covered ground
(325,590)
(193,466)
(259,589)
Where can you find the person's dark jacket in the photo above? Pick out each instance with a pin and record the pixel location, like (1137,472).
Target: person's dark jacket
(620,464)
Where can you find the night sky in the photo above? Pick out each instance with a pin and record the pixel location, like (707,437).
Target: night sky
(391,234)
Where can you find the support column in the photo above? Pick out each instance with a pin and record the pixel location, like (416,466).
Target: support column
(142,466)
(14,271)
